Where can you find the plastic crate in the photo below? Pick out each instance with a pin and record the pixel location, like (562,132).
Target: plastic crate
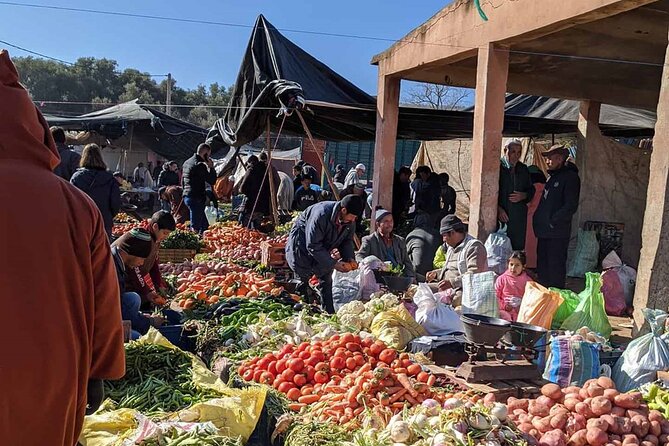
(172,333)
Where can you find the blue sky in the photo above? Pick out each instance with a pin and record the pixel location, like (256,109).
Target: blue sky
(202,54)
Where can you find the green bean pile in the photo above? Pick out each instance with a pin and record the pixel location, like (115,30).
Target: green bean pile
(193,439)
(157,379)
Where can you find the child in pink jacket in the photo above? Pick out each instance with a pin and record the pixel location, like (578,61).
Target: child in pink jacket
(510,286)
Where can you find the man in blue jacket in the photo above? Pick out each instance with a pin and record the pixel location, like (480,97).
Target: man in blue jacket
(552,219)
(321,240)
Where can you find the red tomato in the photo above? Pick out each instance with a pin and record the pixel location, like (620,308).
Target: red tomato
(300,380)
(334,337)
(372,361)
(280,365)
(302,347)
(288,375)
(388,355)
(312,361)
(347,337)
(367,351)
(310,372)
(423,377)
(304,355)
(351,363)
(257,374)
(367,342)
(321,377)
(285,386)
(266,378)
(296,365)
(414,369)
(263,363)
(353,347)
(293,394)
(377,347)
(337,363)
(248,375)
(272,368)
(254,361)
(322,367)
(318,354)
(270,356)
(277,382)
(404,356)
(405,363)
(359,360)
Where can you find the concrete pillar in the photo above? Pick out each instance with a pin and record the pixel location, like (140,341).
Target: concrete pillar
(588,132)
(491,75)
(387,111)
(652,286)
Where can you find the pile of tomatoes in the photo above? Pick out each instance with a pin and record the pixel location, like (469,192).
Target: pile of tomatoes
(304,373)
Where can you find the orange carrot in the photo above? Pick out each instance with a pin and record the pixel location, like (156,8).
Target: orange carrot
(397,405)
(411,400)
(404,380)
(397,395)
(309,399)
(296,406)
(431,380)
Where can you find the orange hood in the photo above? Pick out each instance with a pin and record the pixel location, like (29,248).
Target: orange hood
(24,133)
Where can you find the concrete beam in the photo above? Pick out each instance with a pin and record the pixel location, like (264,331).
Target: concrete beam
(492,71)
(588,130)
(457,28)
(387,112)
(652,285)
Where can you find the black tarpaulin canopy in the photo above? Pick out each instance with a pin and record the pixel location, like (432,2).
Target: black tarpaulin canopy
(275,73)
(142,127)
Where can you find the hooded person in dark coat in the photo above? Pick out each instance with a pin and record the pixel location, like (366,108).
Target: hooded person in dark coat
(552,219)
(168,175)
(320,240)
(69,159)
(97,182)
(422,243)
(515,192)
(198,170)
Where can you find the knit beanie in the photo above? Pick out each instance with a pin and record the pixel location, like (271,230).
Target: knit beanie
(450,223)
(136,242)
(380,213)
(353,204)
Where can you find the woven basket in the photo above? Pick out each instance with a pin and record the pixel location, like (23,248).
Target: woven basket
(175,255)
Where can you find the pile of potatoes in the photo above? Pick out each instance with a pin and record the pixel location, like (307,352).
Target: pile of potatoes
(595,414)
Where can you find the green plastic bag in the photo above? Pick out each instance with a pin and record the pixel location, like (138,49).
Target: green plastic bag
(569,304)
(590,311)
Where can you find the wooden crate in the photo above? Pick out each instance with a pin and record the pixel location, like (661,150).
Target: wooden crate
(175,255)
(273,255)
(503,389)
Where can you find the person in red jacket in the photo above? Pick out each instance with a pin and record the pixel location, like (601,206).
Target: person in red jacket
(63,331)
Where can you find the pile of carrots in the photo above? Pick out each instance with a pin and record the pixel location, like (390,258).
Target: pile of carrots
(211,288)
(339,378)
(230,240)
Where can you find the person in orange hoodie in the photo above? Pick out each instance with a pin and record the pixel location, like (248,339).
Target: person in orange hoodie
(63,333)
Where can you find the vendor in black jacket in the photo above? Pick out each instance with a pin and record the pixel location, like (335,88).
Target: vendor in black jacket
(320,240)
(197,171)
(552,219)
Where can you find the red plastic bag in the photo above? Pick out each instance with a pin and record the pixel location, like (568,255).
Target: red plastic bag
(614,294)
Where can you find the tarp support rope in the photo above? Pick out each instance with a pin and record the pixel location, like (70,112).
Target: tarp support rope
(269,172)
(321,158)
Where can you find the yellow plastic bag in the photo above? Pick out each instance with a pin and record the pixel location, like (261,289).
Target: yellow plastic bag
(396,327)
(235,414)
(539,305)
(109,428)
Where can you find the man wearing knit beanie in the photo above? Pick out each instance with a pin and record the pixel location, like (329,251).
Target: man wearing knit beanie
(320,241)
(385,245)
(129,251)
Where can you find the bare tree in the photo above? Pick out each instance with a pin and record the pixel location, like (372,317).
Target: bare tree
(437,96)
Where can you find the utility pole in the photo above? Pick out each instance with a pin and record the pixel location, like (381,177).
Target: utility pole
(168,99)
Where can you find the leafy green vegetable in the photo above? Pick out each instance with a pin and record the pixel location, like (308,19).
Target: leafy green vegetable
(182,240)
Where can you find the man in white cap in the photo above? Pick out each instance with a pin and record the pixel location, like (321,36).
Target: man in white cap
(354,175)
(385,245)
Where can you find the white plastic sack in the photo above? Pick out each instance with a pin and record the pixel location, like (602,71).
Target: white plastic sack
(345,287)
(211,213)
(644,356)
(368,284)
(499,249)
(626,275)
(478,294)
(437,318)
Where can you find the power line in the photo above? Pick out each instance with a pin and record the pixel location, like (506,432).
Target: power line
(35,53)
(65,61)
